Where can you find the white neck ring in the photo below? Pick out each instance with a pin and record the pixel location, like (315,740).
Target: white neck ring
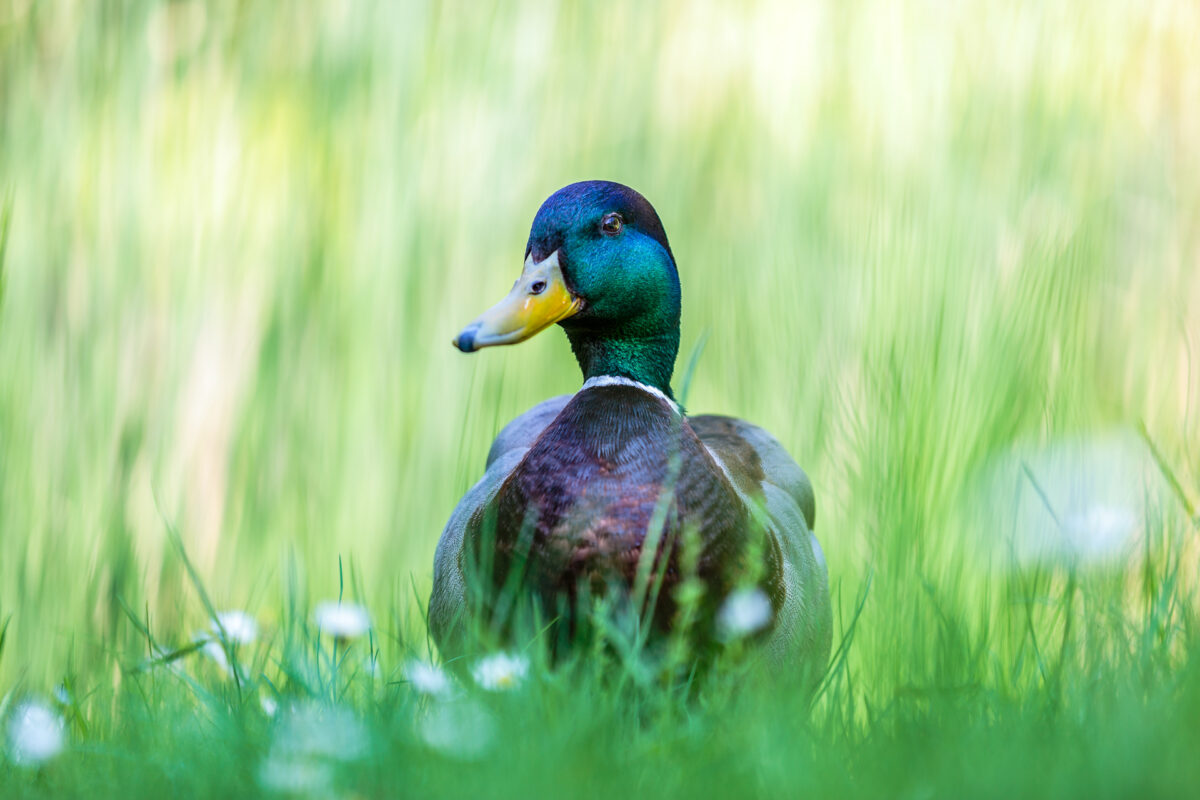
(618,380)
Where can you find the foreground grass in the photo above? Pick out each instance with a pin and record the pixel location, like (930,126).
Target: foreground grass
(308,715)
(924,247)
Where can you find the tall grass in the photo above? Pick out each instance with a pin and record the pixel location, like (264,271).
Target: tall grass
(917,240)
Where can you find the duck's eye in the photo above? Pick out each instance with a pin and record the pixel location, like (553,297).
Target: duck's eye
(611,224)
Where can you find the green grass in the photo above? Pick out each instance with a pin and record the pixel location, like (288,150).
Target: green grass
(238,238)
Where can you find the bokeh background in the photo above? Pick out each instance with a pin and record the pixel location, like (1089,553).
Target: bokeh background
(240,236)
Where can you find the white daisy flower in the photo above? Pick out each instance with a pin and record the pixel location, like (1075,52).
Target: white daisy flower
(745,611)
(342,620)
(214,650)
(309,739)
(291,775)
(158,656)
(239,627)
(1100,532)
(461,729)
(500,671)
(316,730)
(1078,501)
(427,678)
(35,734)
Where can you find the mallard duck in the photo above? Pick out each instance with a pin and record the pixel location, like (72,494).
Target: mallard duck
(576,487)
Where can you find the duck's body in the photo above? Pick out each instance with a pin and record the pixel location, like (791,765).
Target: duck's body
(579,486)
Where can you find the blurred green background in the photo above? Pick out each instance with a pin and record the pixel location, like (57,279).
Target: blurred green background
(243,234)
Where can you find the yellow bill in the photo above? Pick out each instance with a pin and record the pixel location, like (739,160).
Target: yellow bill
(538,299)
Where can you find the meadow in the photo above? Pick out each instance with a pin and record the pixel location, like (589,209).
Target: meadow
(949,254)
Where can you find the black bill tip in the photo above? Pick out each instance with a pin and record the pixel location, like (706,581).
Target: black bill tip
(465,341)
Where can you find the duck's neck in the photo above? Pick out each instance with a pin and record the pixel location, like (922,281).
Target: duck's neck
(648,359)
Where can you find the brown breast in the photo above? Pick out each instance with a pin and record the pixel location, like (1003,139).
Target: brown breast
(576,511)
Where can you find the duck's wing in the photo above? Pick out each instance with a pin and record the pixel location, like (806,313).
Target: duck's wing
(447,604)
(763,472)
(752,456)
(524,429)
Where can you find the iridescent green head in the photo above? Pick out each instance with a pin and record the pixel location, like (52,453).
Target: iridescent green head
(598,263)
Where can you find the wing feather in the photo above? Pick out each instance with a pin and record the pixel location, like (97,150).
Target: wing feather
(528,426)
(764,472)
(753,455)
(447,604)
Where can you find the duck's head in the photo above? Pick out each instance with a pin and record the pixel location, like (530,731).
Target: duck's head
(597,263)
